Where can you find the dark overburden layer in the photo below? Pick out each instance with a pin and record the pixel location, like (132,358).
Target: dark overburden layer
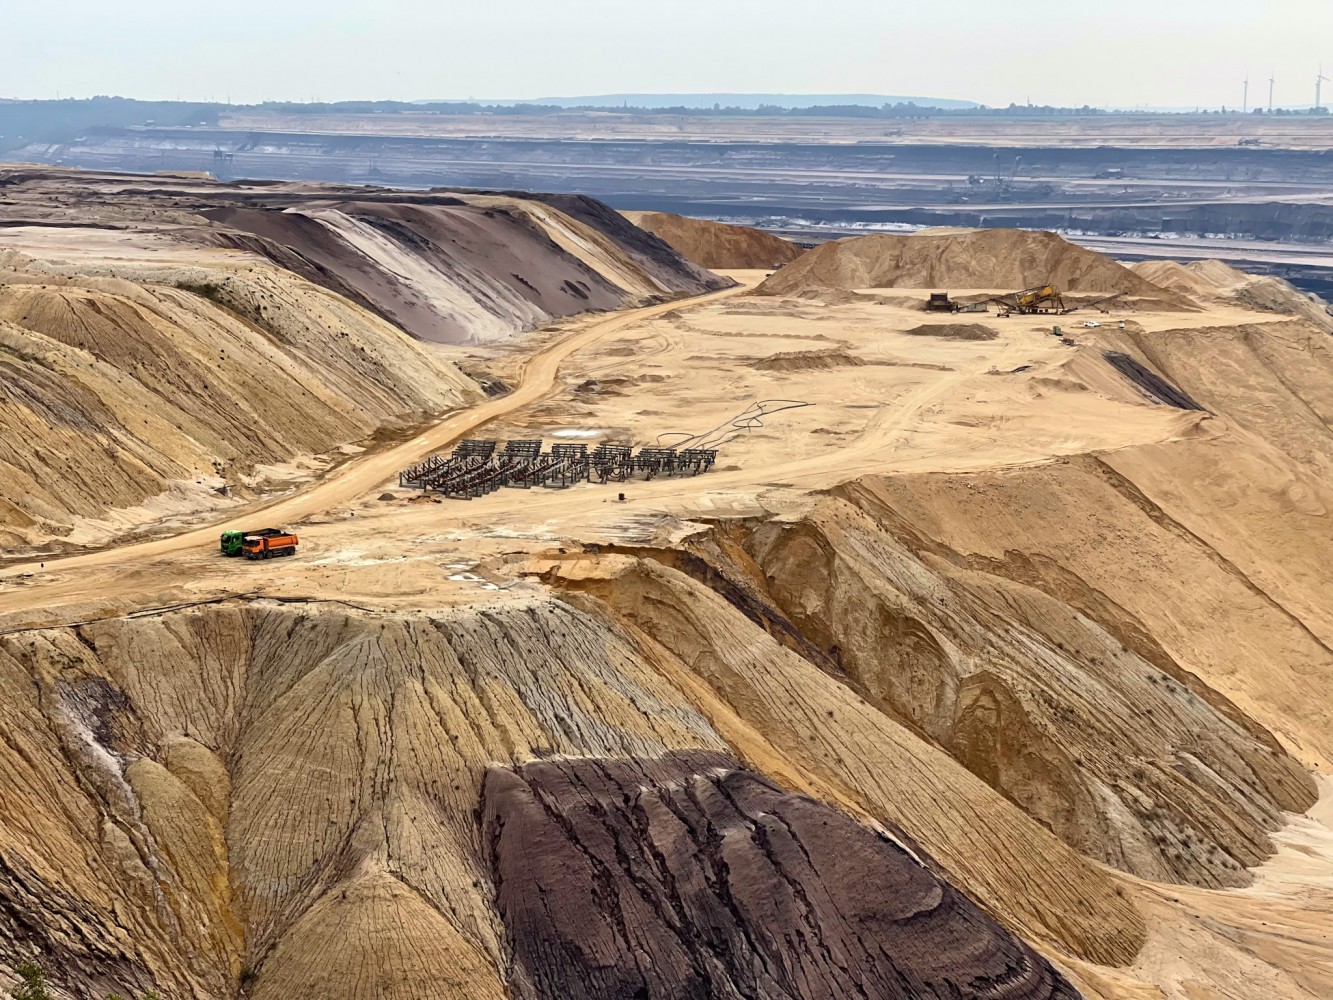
(1157,388)
(691,877)
(500,261)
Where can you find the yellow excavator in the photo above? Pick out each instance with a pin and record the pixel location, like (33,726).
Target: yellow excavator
(1039,301)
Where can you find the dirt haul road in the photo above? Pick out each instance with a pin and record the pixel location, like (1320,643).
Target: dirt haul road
(537,378)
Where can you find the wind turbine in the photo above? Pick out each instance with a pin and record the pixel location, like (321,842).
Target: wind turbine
(1271,81)
(1245,101)
(1319,87)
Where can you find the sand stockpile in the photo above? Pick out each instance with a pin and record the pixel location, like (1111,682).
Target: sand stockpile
(954,331)
(1000,259)
(1200,277)
(798,361)
(1217,281)
(718,244)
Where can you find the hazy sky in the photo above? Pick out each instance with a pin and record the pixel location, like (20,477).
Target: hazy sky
(1102,52)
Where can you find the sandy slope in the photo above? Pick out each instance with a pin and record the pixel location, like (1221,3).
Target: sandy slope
(999,259)
(1213,280)
(717,244)
(176,386)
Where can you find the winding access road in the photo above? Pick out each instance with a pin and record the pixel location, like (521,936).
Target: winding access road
(537,379)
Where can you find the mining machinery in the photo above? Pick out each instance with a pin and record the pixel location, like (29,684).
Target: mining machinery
(1041,300)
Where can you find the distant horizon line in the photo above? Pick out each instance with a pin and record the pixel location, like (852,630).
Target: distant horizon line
(700,100)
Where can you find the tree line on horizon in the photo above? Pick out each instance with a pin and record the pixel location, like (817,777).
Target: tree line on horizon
(62,120)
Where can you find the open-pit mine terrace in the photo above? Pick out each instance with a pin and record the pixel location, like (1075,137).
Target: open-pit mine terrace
(1261,177)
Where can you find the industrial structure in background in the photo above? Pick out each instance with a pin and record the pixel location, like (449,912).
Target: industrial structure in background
(940,302)
(476,468)
(1040,300)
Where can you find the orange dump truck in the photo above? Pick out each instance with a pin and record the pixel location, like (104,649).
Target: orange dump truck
(268,544)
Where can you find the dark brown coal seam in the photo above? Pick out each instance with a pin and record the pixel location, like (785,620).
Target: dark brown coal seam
(1151,384)
(673,899)
(761,838)
(602,875)
(634,812)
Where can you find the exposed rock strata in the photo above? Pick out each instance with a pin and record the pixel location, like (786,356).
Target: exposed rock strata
(691,877)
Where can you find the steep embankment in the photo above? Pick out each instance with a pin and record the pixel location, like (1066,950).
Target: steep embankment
(987,259)
(467,268)
(717,244)
(119,390)
(272,797)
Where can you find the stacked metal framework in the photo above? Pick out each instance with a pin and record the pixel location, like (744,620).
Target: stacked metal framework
(613,461)
(695,460)
(475,469)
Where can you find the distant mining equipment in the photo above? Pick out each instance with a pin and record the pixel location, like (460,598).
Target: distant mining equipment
(940,302)
(223,164)
(476,467)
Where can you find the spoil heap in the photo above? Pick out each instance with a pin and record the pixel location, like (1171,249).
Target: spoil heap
(718,244)
(451,267)
(983,259)
(980,668)
(1216,281)
(131,400)
(309,792)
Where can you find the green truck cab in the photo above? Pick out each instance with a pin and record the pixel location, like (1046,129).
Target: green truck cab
(262,543)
